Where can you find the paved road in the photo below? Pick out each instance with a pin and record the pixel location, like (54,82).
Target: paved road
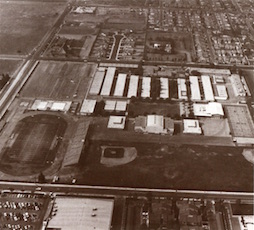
(124,191)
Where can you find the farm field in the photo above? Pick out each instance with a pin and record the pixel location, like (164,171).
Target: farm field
(32,145)
(30,24)
(9,66)
(176,167)
(59,81)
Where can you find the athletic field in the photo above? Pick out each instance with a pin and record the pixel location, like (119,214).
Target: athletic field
(33,144)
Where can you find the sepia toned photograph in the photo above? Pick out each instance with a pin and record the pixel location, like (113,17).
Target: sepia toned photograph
(126,114)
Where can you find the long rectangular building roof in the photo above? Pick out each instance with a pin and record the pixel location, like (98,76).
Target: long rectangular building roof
(164,93)
(146,87)
(88,106)
(207,86)
(195,91)
(133,86)
(120,84)
(182,89)
(82,213)
(107,84)
(97,82)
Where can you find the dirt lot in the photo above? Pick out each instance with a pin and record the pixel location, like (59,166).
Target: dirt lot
(59,81)
(21,32)
(176,167)
(32,145)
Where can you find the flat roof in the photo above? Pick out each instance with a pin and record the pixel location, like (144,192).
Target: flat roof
(90,213)
(155,120)
(107,84)
(120,84)
(208,110)
(58,106)
(110,105)
(191,126)
(222,92)
(97,82)
(88,106)
(42,105)
(207,86)
(211,71)
(240,120)
(134,66)
(182,88)
(116,122)
(146,87)
(121,105)
(133,86)
(194,86)
(164,93)
(237,85)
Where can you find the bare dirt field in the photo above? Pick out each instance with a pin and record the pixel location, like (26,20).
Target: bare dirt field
(21,32)
(59,81)
(176,167)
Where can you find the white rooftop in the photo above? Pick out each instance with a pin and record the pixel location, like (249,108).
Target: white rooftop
(208,110)
(207,86)
(88,106)
(133,86)
(194,86)
(58,106)
(191,126)
(90,213)
(116,122)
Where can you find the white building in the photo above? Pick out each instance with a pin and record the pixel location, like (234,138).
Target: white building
(146,87)
(222,92)
(194,86)
(120,84)
(164,93)
(107,84)
(208,89)
(87,107)
(97,82)
(133,86)
(191,126)
(116,122)
(208,110)
(237,85)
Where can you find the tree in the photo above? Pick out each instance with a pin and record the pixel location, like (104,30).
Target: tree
(41,178)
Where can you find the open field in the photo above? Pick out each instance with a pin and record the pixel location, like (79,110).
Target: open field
(144,108)
(32,145)
(176,167)
(9,66)
(59,81)
(21,32)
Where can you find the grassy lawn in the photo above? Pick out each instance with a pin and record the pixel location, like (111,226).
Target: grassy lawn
(185,167)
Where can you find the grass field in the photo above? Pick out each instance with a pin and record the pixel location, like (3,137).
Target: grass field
(33,144)
(21,32)
(59,81)
(144,108)
(176,167)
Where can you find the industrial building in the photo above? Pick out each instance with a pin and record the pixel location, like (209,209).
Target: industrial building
(191,126)
(195,90)
(133,86)
(237,85)
(182,89)
(208,110)
(164,93)
(97,81)
(120,84)
(43,105)
(146,87)
(154,124)
(113,105)
(87,107)
(208,89)
(107,84)
(79,212)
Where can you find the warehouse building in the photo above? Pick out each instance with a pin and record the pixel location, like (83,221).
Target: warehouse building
(164,93)
(120,84)
(208,89)
(133,86)
(87,107)
(93,213)
(156,124)
(194,86)
(221,93)
(208,110)
(97,81)
(237,85)
(108,81)
(146,87)
(116,122)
